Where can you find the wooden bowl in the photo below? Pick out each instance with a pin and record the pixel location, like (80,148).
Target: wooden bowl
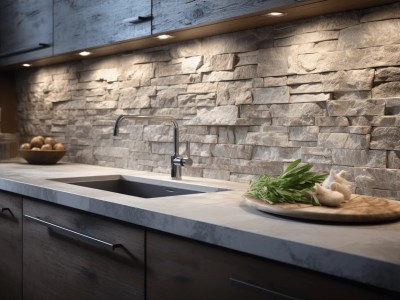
(42,157)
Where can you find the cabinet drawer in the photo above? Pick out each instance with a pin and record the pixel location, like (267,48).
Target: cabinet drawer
(180,268)
(10,246)
(69,254)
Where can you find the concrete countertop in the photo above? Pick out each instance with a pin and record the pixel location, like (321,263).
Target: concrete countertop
(365,253)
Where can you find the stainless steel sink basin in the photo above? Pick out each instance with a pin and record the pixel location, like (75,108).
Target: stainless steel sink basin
(138,186)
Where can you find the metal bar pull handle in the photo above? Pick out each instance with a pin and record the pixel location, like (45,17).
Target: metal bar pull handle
(74,234)
(4,209)
(259,289)
(138,19)
(39,46)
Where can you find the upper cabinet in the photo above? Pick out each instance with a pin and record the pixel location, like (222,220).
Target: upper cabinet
(26,30)
(83,24)
(176,14)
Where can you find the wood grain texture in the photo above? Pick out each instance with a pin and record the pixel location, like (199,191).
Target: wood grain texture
(57,266)
(25,24)
(358,209)
(10,246)
(85,24)
(180,268)
(176,14)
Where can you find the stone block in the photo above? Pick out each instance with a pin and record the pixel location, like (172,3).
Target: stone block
(203,100)
(109,75)
(331,121)
(359,158)
(387,74)
(343,140)
(232,151)
(353,95)
(187,100)
(385,138)
(304,79)
(304,98)
(223,62)
(216,174)
(276,154)
(297,121)
(371,34)
(352,80)
(393,159)
(375,178)
(220,115)
(270,95)
(386,90)
(303,133)
(385,121)
(275,81)
(267,139)
(202,88)
(218,76)
(309,37)
(318,47)
(245,72)
(306,88)
(192,64)
(247,58)
(272,62)
(356,107)
(254,111)
(235,92)
(378,13)
(297,110)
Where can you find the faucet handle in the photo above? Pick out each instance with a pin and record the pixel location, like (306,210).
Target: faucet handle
(187,150)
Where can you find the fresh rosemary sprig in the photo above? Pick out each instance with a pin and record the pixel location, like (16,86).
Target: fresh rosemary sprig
(294,185)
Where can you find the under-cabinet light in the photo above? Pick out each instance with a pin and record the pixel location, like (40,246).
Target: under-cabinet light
(26,65)
(84,53)
(275,14)
(164,36)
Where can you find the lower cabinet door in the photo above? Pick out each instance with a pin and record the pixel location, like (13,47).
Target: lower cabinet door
(180,268)
(10,246)
(69,254)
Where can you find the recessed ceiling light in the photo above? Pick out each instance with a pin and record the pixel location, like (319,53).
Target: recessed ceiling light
(26,65)
(164,36)
(84,53)
(275,14)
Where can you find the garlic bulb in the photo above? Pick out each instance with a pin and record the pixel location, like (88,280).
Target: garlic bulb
(342,188)
(328,197)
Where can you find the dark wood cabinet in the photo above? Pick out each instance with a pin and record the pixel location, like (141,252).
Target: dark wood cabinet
(179,268)
(177,14)
(69,254)
(81,25)
(26,31)
(10,246)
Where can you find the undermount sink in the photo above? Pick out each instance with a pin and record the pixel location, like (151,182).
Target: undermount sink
(139,186)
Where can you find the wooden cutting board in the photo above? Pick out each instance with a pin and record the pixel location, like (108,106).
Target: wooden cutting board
(359,209)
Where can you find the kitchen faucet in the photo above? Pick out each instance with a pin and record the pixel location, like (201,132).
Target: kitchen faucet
(177,162)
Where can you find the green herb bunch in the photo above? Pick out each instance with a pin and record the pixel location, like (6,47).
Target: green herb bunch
(294,185)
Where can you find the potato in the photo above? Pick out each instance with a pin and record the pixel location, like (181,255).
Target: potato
(37,141)
(50,141)
(35,149)
(46,147)
(25,146)
(59,147)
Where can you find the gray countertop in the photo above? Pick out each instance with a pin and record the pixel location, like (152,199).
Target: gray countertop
(365,253)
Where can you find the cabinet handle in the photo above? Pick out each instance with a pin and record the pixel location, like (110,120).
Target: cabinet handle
(138,19)
(249,286)
(25,50)
(74,234)
(4,209)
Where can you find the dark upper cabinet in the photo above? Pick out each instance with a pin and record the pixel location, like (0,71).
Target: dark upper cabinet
(176,14)
(83,24)
(26,31)
(10,246)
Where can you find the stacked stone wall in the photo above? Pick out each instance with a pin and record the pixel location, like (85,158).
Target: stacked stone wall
(325,90)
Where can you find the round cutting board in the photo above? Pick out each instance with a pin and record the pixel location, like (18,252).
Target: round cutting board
(359,209)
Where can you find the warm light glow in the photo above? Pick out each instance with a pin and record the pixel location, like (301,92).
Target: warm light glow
(26,65)
(164,36)
(275,14)
(84,53)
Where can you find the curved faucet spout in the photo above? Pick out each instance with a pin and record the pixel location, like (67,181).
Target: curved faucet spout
(175,167)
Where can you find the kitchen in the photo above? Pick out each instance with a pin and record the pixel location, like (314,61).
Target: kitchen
(251,93)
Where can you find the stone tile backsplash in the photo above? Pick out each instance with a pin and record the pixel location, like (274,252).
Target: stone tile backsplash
(326,90)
